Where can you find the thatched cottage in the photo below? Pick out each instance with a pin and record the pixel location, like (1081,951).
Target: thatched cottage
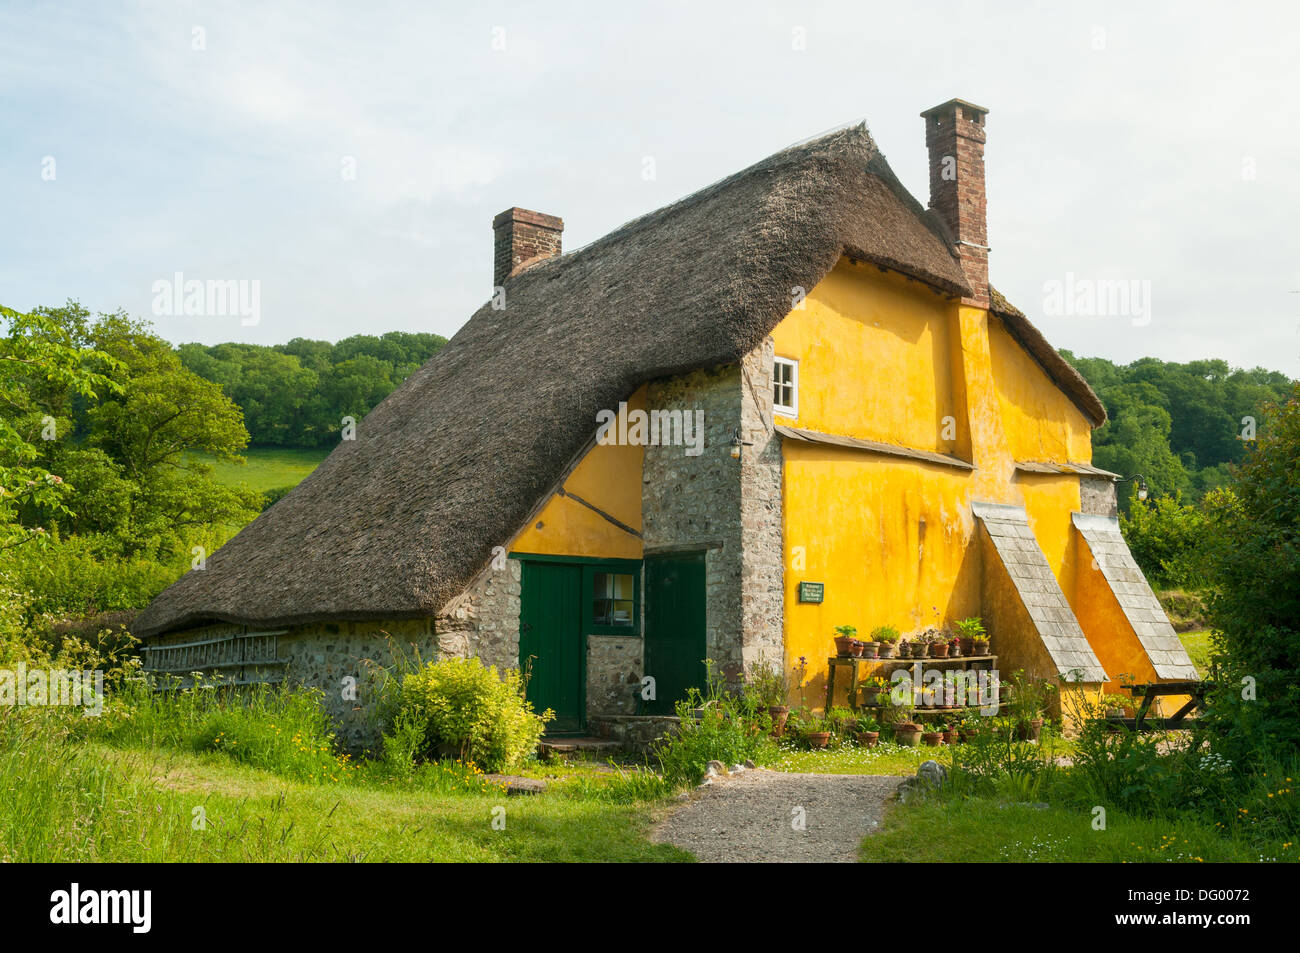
(637,455)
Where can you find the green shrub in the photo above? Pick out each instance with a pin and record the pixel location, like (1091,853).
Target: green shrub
(457,707)
(727,729)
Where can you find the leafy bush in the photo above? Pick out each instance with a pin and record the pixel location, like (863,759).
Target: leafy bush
(1166,539)
(722,732)
(1253,563)
(460,707)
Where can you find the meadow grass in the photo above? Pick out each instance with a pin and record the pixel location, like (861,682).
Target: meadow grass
(989,829)
(1198,648)
(74,799)
(268,468)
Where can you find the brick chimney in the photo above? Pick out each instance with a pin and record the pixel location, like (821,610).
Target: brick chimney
(954,134)
(523,238)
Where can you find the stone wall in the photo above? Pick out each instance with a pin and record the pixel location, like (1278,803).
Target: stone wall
(729,508)
(343,659)
(1097,496)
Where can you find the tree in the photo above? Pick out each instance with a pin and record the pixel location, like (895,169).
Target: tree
(1253,565)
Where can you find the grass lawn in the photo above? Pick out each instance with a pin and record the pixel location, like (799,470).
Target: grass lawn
(267,468)
(169,806)
(990,830)
(1198,647)
(885,758)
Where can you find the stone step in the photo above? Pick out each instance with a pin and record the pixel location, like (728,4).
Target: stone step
(569,747)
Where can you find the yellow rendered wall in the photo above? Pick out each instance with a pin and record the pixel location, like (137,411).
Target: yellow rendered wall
(1041,423)
(875,350)
(893,540)
(608,477)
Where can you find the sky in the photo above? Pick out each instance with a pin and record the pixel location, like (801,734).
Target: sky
(345,160)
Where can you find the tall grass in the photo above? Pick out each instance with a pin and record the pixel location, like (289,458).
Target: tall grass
(280,729)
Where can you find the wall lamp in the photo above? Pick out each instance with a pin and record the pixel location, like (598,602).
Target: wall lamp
(1142,491)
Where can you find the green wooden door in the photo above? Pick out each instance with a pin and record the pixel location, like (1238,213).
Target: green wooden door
(674,628)
(550,640)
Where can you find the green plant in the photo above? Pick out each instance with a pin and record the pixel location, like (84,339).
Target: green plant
(1029,697)
(868,723)
(722,731)
(846,631)
(884,633)
(465,709)
(972,628)
(768,685)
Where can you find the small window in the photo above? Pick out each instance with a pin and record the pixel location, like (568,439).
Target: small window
(613,600)
(785,387)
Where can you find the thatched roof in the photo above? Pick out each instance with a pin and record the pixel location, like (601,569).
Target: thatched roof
(398,522)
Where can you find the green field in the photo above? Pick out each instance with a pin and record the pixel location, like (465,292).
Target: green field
(268,468)
(1198,647)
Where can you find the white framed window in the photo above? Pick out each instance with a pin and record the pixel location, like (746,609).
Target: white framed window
(785,387)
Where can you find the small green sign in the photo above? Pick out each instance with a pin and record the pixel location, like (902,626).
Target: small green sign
(811,591)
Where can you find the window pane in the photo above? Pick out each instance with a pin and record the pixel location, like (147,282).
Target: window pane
(623,586)
(602,612)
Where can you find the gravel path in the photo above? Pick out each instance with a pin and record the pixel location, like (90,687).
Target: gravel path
(752,817)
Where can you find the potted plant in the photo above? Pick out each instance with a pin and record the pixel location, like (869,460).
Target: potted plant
(872,690)
(920,648)
(970,726)
(1029,698)
(954,648)
(867,734)
(938,645)
(972,630)
(907,733)
(886,638)
(950,734)
(904,649)
(931,737)
(817,732)
(845,641)
(870,648)
(770,689)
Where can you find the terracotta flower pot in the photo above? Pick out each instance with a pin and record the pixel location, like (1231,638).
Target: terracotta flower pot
(871,696)
(887,649)
(779,715)
(932,738)
(818,739)
(979,647)
(904,649)
(1029,731)
(950,737)
(938,649)
(870,650)
(844,646)
(907,735)
(966,645)
(867,739)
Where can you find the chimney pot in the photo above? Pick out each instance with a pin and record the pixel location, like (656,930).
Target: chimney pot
(954,135)
(523,238)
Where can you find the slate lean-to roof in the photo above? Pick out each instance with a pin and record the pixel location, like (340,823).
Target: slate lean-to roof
(398,521)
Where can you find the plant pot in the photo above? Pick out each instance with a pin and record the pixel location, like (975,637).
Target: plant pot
(887,649)
(932,738)
(905,650)
(907,735)
(1029,731)
(871,696)
(921,650)
(938,649)
(779,715)
(950,737)
(979,647)
(870,650)
(966,646)
(818,739)
(867,739)
(844,646)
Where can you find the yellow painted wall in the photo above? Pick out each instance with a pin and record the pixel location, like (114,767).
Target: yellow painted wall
(608,477)
(875,350)
(893,540)
(1042,423)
